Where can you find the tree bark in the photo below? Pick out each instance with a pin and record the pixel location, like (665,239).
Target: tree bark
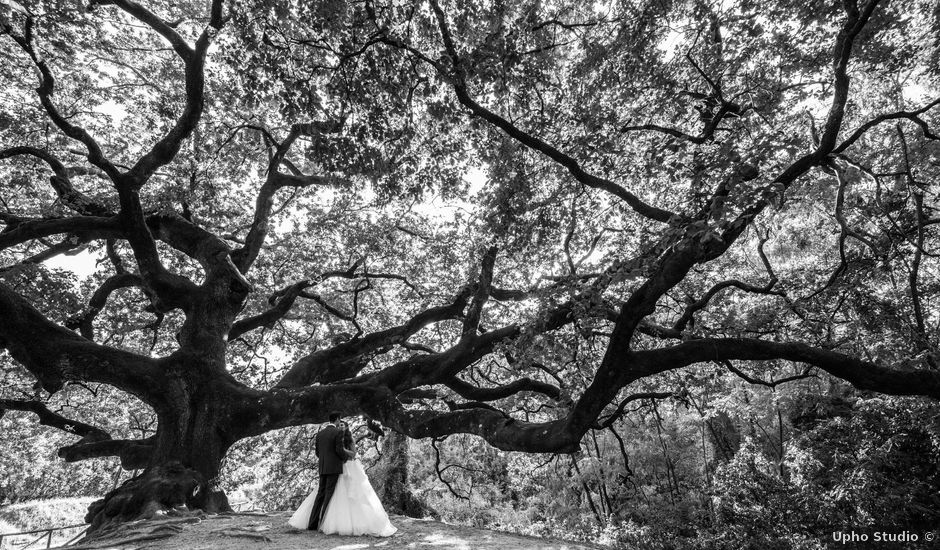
(395,492)
(194,433)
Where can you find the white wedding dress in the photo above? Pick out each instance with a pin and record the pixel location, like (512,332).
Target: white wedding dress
(355,509)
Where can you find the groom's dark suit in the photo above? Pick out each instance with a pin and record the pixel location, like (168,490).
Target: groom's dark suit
(332,454)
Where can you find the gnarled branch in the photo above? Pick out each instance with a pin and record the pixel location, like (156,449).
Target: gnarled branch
(457,80)
(275,180)
(339,361)
(55,354)
(702,302)
(85,322)
(94,442)
(133,453)
(54,419)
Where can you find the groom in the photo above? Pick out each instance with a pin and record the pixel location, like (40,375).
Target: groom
(332,454)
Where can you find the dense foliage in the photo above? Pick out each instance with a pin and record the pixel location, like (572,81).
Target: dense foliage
(539,227)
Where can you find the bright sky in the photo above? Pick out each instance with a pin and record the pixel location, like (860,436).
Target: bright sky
(81,264)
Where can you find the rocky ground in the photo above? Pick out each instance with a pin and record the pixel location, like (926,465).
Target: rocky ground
(187,531)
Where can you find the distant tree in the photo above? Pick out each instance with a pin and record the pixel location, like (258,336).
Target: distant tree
(662,185)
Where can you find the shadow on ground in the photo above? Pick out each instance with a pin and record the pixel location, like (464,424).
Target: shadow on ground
(271,532)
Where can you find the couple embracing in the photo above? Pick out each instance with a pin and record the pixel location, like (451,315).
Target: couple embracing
(344,502)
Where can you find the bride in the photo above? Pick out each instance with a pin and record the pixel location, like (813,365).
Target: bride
(355,509)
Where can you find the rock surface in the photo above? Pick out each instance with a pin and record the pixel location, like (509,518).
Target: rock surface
(187,531)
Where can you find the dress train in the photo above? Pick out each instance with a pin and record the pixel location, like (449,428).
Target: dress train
(355,509)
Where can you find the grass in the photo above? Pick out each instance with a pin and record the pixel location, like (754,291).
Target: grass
(7,527)
(43,514)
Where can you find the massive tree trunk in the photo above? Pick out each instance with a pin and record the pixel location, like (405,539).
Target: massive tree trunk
(183,464)
(183,470)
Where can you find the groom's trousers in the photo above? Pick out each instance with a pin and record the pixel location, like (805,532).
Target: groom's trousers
(324,495)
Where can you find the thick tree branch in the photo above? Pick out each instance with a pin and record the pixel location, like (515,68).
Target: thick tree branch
(283,301)
(275,180)
(212,252)
(94,442)
(292,407)
(862,374)
(194,59)
(134,454)
(83,227)
(470,391)
(209,250)
(153,21)
(55,420)
(341,361)
(855,22)
(55,354)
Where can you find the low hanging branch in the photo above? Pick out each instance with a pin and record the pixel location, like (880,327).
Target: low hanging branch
(55,420)
(621,408)
(862,374)
(55,354)
(134,454)
(772,384)
(94,443)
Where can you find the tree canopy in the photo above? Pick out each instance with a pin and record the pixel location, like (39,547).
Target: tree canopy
(505,219)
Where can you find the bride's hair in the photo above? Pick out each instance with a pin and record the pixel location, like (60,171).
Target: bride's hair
(348,439)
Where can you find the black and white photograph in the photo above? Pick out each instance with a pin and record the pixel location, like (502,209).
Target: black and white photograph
(469,274)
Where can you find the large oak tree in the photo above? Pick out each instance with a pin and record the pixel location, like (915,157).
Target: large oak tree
(652,185)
